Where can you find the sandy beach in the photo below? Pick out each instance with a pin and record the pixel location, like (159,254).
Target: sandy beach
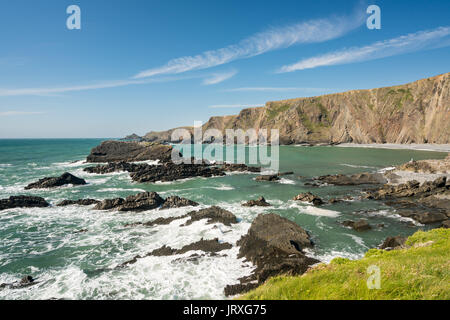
(412,146)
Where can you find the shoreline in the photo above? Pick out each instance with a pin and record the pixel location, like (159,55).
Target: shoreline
(413,146)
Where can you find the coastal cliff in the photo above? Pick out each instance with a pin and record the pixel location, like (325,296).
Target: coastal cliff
(417,112)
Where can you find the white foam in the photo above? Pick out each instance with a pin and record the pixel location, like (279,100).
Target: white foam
(120,190)
(5,165)
(286,181)
(356,166)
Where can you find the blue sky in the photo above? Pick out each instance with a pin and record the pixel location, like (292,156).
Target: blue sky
(137,66)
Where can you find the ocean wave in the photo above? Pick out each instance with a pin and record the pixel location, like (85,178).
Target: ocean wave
(286,181)
(5,165)
(357,166)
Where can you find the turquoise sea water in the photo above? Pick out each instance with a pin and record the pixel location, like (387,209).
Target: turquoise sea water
(44,243)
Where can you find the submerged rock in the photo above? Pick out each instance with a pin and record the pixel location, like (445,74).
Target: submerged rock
(239,167)
(268,177)
(53,182)
(260,202)
(80,202)
(114,151)
(309,197)
(274,245)
(23,202)
(360,225)
(22,283)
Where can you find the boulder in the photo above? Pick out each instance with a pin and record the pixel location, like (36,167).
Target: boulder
(430,217)
(309,197)
(53,182)
(260,202)
(393,243)
(23,202)
(446,224)
(274,245)
(129,151)
(214,215)
(268,177)
(360,225)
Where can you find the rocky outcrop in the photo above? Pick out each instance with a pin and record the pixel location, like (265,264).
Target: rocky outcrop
(417,112)
(23,202)
(115,151)
(353,180)
(260,202)
(426,203)
(139,202)
(23,283)
(446,224)
(177,202)
(267,177)
(53,182)
(79,202)
(171,172)
(116,167)
(274,245)
(360,225)
(309,197)
(427,166)
(390,243)
(208,246)
(239,167)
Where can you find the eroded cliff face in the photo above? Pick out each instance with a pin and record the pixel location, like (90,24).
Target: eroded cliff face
(418,112)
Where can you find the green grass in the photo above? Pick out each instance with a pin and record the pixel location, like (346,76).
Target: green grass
(276,110)
(420,272)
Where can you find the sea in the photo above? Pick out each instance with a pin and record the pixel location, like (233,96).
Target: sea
(67,264)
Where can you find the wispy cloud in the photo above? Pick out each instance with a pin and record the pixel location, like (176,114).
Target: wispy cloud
(276,38)
(219,77)
(408,43)
(277,89)
(94,86)
(220,106)
(19,113)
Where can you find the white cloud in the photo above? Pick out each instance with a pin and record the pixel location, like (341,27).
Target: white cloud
(220,106)
(408,43)
(276,38)
(219,77)
(19,113)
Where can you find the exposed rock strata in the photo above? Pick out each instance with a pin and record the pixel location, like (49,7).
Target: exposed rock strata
(309,197)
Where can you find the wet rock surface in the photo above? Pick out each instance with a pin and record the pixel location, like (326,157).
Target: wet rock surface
(352,180)
(53,182)
(309,197)
(177,202)
(360,225)
(274,245)
(115,151)
(260,202)
(79,202)
(22,283)
(23,202)
(267,177)
(208,246)
(139,202)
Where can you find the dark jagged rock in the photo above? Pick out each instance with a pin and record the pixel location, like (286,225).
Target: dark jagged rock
(274,244)
(208,246)
(23,202)
(23,283)
(268,177)
(360,225)
(53,182)
(139,202)
(114,151)
(80,202)
(239,167)
(352,180)
(309,197)
(260,202)
(116,167)
(214,215)
(177,202)
(393,243)
(171,172)
(430,217)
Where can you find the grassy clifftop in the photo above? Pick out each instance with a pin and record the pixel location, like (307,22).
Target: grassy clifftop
(421,271)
